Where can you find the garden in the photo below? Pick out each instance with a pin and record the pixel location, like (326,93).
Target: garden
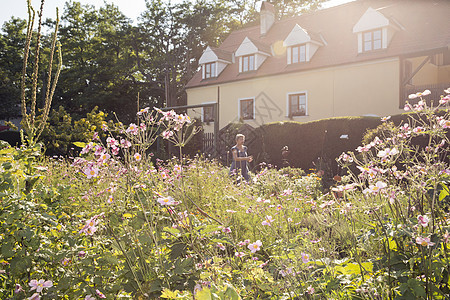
(115,222)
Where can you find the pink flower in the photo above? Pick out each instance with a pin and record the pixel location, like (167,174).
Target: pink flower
(35,296)
(226,230)
(137,157)
(18,289)
(268,221)
(89,297)
(90,172)
(167,134)
(256,246)
(221,246)
(305,257)
(287,192)
(374,189)
(132,128)
(125,143)
(100,294)
(423,220)
(384,154)
(40,285)
(424,241)
(310,290)
(166,201)
(90,226)
(239,254)
(112,142)
(446,235)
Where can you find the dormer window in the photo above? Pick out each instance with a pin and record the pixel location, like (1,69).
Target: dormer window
(298,53)
(210,70)
(302,45)
(374,31)
(248,63)
(372,40)
(214,61)
(251,55)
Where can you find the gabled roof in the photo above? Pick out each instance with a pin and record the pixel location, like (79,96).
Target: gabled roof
(299,35)
(426,27)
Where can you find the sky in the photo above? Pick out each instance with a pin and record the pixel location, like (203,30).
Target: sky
(130,8)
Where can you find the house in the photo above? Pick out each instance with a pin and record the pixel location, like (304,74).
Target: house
(362,58)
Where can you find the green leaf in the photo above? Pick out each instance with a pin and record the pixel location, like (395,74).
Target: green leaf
(80,144)
(444,192)
(231,292)
(204,294)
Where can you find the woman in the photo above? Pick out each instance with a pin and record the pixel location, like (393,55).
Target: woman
(239,164)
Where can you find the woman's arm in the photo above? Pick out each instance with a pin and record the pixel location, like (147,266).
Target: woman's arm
(237,158)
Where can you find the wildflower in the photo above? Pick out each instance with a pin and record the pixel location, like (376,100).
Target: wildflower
(231,211)
(267,221)
(166,201)
(226,230)
(305,257)
(287,192)
(423,220)
(143,111)
(447,90)
(384,119)
(142,126)
(374,189)
(316,241)
(40,285)
(104,157)
(444,123)
(65,262)
(90,227)
(100,294)
(221,246)
(383,154)
(446,235)
(132,128)
(89,297)
(286,272)
(35,296)
(125,143)
(419,129)
(87,148)
(177,169)
(417,95)
(137,157)
(310,290)
(345,158)
(239,254)
(424,241)
(256,246)
(110,142)
(110,199)
(167,134)
(18,289)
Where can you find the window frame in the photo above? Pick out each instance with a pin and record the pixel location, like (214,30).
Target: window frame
(290,114)
(209,70)
(300,58)
(241,107)
(371,41)
(248,63)
(204,113)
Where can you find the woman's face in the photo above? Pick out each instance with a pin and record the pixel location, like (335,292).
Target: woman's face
(240,140)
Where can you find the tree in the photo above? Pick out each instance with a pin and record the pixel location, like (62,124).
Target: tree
(12,43)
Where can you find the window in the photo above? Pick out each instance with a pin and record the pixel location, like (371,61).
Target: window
(210,70)
(298,54)
(248,63)
(297,104)
(247,109)
(372,40)
(208,114)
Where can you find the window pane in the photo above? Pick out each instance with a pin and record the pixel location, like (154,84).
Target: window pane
(297,105)
(245,64)
(213,70)
(377,35)
(247,109)
(367,36)
(294,55)
(376,44)
(252,63)
(368,46)
(303,53)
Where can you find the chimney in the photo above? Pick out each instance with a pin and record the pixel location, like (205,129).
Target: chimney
(267,16)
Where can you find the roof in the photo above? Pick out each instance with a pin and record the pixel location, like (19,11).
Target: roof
(222,54)
(424,26)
